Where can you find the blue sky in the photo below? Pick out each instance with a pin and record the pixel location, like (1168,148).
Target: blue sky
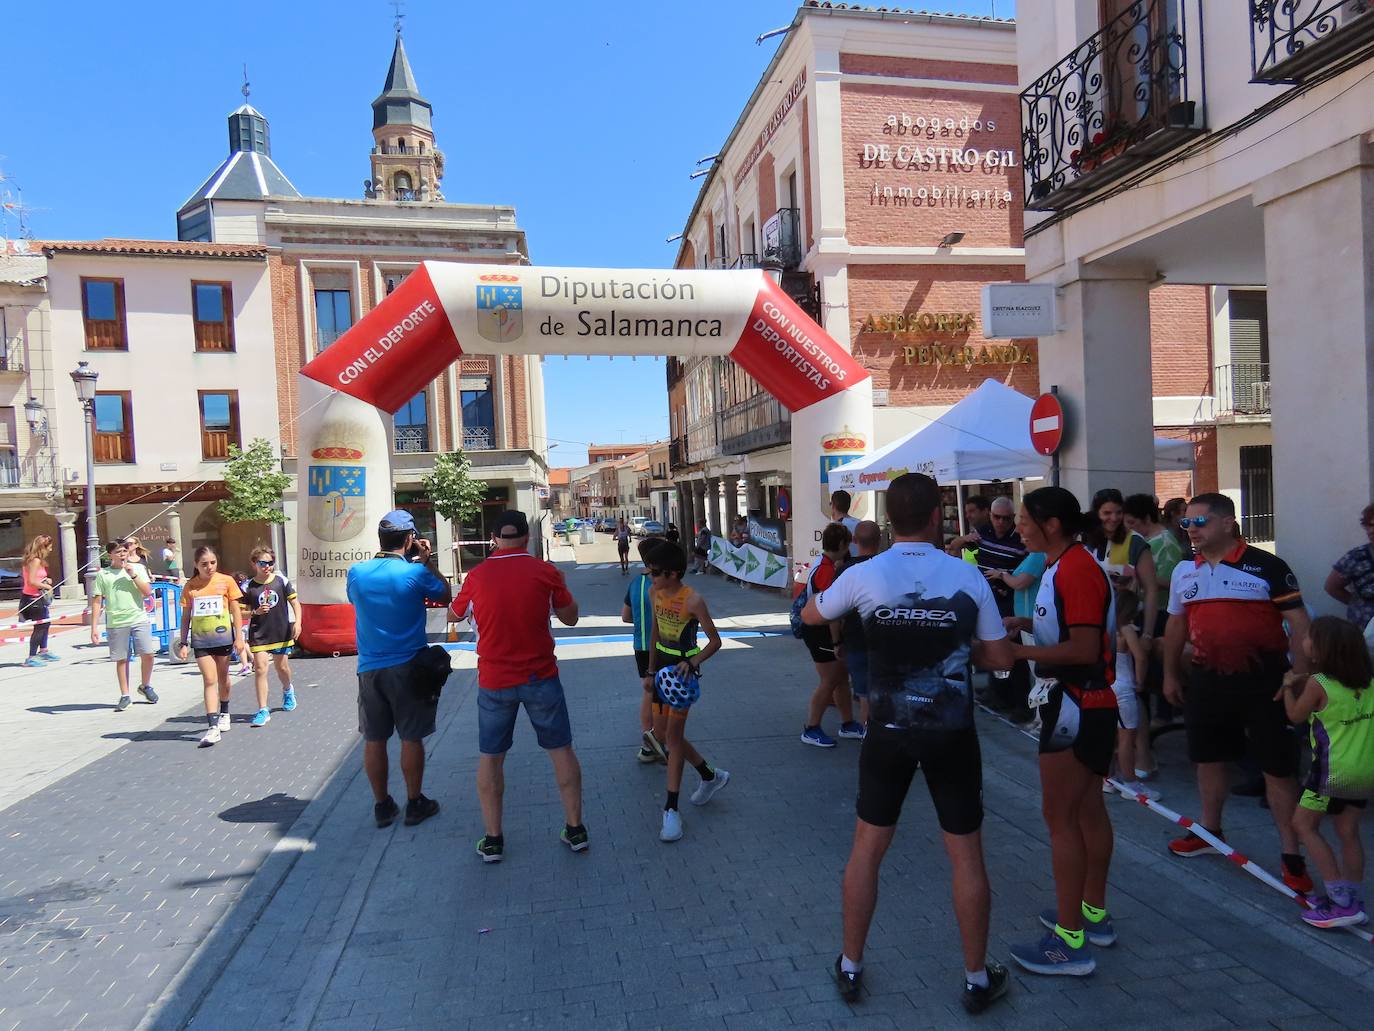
(586,116)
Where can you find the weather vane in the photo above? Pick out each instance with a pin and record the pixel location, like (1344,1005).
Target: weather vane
(398,4)
(246,84)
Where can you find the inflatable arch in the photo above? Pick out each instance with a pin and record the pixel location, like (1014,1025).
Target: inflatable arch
(445,309)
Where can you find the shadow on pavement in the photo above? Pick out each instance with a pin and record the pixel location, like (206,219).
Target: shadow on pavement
(275,808)
(151,735)
(55,710)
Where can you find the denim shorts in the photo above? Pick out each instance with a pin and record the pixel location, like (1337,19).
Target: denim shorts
(544,705)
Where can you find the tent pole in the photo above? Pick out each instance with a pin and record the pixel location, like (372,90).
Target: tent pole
(959,505)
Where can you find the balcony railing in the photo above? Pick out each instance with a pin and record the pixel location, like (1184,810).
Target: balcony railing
(782,237)
(1292,39)
(391,148)
(677,452)
(703,439)
(1243,388)
(478,438)
(721,262)
(1125,95)
(12,355)
(759,422)
(412,439)
(38,471)
(407,194)
(746,261)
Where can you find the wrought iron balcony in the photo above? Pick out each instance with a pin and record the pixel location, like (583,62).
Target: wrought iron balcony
(478,438)
(412,439)
(1291,40)
(32,472)
(1242,389)
(12,355)
(782,237)
(677,452)
(1125,95)
(721,262)
(746,261)
(759,422)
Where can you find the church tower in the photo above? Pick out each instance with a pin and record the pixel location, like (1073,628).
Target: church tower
(405,164)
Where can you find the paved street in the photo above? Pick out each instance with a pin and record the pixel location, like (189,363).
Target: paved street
(245,886)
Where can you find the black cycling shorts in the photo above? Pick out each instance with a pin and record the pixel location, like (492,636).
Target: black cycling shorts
(818,644)
(1227,718)
(1090,733)
(950,760)
(642,664)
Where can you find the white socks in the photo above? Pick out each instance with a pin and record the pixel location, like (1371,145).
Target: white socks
(849,966)
(977,978)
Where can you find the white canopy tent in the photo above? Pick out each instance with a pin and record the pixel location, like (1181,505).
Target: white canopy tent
(986,436)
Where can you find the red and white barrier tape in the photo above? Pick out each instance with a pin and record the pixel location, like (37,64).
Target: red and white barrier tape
(1238,858)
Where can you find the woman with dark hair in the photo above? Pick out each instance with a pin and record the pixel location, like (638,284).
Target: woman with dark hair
(35,598)
(823,642)
(212,626)
(1351,580)
(1074,661)
(1126,557)
(1172,512)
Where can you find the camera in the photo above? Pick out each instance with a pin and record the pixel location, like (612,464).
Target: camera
(413,550)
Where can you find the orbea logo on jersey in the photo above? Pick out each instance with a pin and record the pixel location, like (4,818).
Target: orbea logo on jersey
(935,614)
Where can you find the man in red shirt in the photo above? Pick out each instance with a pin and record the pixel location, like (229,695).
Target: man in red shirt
(508,598)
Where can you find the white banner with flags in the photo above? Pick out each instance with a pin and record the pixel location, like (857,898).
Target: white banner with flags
(748,562)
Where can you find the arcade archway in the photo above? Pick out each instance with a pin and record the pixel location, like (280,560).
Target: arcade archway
(446,309)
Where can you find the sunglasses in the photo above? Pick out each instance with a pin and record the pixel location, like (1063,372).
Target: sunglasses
(1198,521)
(264,563)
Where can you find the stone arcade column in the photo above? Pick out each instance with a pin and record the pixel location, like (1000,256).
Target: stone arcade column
(730,500)
(698,505)
(174,532)
(755,496)
(1319,267)
(1101,363)
(72,584)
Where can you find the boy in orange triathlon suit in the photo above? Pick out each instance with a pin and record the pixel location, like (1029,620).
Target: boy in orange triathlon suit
(678,611)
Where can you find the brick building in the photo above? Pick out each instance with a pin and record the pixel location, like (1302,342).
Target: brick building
(330,260)
(879,161)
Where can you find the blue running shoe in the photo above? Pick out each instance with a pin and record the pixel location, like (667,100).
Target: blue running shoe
(260,718)
(288,700)
(816,736)
(1053,955)
(1100,934)
(34,661)
(852,729)
(47,656)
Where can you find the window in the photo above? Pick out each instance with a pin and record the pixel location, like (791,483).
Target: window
(333,315)
(1257,492)
(412,425)
(102,308)
(114,427)
(212,309)
(9,455)
(392,279)
(479,418)
(403,185)
(219,423)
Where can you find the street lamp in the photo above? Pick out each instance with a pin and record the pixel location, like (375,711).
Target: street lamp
(83,378)
(37,417)
(772,266)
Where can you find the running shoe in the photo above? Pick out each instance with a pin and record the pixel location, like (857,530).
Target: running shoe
(224,723)
(418,810)
(1327,913)
(288,700)
(385,813)
(1136,787)
(708,789)
(818,737)
(851,985)
(490,851)
(124,702)
(1143,775)
(672,826)
(260,718)
(655,745)
(852,729)
(210,737)
(146,690)
(48,656)
(1101,934)
(576,840)
(1299,880)
(646,755)
(1053,955)
(1191,845)
(977,998)
(33,660)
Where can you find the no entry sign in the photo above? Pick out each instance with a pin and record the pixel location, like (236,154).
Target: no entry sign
(1046,424)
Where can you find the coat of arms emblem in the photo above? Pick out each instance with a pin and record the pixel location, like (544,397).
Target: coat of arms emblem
(500,317)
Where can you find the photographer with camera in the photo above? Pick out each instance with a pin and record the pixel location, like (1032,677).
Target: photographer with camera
(396,692)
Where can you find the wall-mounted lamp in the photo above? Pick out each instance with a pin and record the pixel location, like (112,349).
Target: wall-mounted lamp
(950,239)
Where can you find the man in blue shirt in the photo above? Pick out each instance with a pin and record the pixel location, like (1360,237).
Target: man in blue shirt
(388,595)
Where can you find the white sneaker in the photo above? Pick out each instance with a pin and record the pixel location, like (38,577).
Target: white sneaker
(211,737)
(224,726)
(1140,789)
(708,789)
(672,826)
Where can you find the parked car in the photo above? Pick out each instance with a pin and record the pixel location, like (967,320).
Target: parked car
(652,528)
(606,524)
(11,582)
(636,524)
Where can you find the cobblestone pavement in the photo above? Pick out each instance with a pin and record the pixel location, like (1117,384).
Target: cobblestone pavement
(133,893)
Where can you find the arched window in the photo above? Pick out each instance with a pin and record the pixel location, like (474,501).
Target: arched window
(422,146)
(403,186)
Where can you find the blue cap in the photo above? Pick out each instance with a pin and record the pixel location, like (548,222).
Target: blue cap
(398,520)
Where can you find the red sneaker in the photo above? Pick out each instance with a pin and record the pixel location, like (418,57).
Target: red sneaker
(1299,882)
(1191,845)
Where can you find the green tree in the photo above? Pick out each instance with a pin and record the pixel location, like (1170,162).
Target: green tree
(255,483)
(456,495)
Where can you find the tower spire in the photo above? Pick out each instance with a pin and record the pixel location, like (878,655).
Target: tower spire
(398,4)
(405,164)
(245,90)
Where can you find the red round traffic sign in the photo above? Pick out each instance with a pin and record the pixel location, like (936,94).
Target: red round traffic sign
(1046,424)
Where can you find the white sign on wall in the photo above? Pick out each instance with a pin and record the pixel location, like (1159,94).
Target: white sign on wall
(1018,310)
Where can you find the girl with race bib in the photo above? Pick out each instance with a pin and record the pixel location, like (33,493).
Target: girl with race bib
(274,615)
(211,626)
